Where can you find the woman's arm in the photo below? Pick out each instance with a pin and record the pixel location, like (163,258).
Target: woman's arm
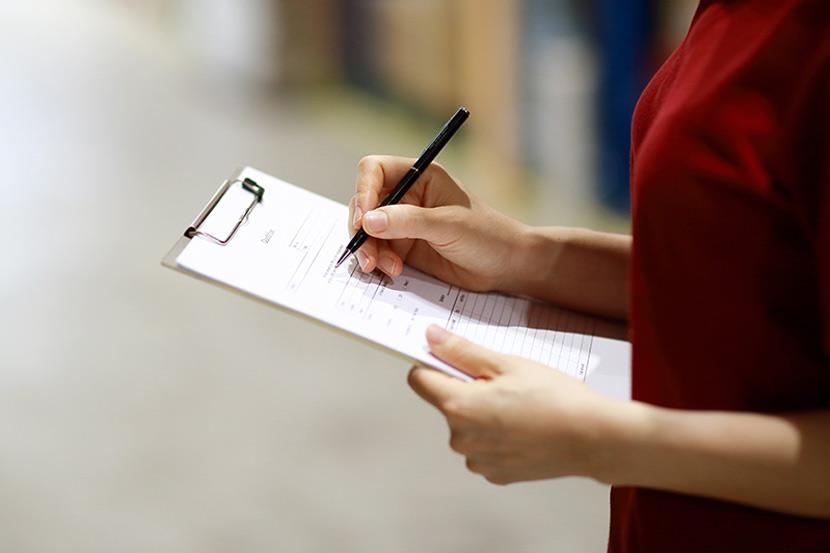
(778,462)
(522,421)
(576,268)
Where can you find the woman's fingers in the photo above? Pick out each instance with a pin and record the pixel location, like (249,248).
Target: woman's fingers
(354,217)
(435,387)
(438,225)
(367,255)
(375,172)
(464,355)
(388,261)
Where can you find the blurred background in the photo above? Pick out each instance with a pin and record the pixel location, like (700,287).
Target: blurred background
(144,411)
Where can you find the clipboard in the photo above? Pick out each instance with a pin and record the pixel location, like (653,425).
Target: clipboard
(611,377)
(194,231)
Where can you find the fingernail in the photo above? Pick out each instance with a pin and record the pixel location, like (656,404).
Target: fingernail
(436,335)
(358,213)
(362,260)
(376,221)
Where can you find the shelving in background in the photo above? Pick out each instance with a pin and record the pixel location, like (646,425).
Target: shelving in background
(551,83)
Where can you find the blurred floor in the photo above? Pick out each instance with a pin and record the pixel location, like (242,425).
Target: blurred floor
(144,411)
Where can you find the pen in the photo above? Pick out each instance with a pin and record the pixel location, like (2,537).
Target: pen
(411,176)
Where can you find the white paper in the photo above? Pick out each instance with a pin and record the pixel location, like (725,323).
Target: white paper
(285,254)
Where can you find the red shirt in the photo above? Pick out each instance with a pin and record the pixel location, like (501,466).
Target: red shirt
(730,271)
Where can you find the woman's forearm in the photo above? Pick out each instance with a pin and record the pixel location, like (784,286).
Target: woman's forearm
(775,462)
(781,463)
(575,268)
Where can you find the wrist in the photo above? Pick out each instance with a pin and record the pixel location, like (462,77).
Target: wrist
(616,441)
(534,259)
(574,268)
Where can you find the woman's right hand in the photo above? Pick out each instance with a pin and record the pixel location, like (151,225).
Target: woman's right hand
(438,228)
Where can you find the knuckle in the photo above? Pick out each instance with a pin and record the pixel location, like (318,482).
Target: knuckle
(366,162)
(497,479)
(392,213)
(459,347)
(370,251)
(404,216)
(450,408)
(406,210)
(459,414)
(473,465)
(436,169)
(455,410)
(366,168)
(491,362)
(459,442)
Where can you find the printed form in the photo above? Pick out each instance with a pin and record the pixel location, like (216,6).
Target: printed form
(285,254)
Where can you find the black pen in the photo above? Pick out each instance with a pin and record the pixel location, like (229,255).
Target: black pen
(411,176)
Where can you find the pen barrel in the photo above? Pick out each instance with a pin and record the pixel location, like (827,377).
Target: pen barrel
(444,135)
(357,240)
(402,188)
(420,165)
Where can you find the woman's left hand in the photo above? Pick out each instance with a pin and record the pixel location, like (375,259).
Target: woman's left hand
(524,421)
(519,420)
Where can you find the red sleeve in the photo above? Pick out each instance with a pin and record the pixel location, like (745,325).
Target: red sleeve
(823,206)
(808,164)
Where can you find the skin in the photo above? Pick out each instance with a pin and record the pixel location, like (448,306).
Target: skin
(519,420)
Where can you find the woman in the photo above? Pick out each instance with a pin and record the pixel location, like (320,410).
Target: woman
(725,286)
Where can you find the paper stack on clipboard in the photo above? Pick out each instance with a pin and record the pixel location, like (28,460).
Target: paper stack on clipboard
(278,243)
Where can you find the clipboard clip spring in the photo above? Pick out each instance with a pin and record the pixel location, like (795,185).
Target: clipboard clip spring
(247,184)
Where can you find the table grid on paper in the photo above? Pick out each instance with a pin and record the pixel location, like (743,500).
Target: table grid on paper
(517,326)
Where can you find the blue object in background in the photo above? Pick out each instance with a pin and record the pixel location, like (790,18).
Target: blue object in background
(623,35)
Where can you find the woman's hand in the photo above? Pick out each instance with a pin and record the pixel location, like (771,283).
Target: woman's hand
(519,420)
(524,421)
(438,228)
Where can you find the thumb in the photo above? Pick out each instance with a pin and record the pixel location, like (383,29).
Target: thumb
(477,361)
(433,224)
(435,387)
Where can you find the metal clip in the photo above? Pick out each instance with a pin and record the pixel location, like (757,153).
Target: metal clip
(246,184)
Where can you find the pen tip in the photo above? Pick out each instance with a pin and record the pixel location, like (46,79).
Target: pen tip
(342,258)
